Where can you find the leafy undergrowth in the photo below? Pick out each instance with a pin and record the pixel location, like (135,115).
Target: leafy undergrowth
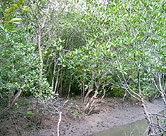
(22,116)
(28,115)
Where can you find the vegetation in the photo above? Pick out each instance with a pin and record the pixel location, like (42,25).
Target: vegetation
(84,48)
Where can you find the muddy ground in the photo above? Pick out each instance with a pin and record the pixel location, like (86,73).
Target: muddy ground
(108,113)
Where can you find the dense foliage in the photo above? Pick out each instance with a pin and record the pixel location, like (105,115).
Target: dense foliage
(84,47)
(122,39)
(19,59)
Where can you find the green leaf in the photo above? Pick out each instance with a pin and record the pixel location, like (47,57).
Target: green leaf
(29,113)
(1,26)
(18,4)
(15,5)
(7,11)
(15,20)
(5,26)
(26,9)
(12,30)
(22,2)
(1,21)
(96,92)
(163,46)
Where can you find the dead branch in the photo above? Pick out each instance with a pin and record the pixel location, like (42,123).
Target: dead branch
(60,113)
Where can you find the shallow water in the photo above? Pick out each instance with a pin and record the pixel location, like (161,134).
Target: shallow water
(134,129)
(137,128)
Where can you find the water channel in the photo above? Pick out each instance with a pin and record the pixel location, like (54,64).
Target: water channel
(137,128)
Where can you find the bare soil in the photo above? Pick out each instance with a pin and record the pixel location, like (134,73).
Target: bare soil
(107,113)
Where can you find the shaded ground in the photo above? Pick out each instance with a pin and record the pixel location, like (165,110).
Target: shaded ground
(108,112)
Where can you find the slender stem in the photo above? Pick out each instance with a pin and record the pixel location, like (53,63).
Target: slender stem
(162,91)
(70,86)
(56,83)
(39,43)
